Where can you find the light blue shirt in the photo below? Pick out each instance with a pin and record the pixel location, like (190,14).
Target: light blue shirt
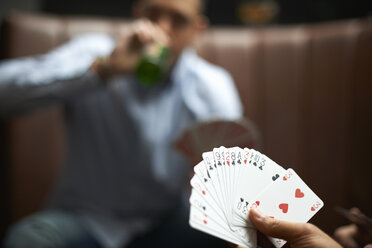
(121,172)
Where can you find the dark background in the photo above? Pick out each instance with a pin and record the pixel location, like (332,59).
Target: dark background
(224,12)
(219,11)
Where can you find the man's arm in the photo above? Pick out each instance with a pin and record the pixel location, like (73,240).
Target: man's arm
(27,83)
(73,68)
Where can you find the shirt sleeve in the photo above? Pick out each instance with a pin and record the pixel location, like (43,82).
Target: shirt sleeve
(30,82)
(223,97)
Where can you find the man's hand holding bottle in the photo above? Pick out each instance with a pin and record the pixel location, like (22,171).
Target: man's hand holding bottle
(143,39)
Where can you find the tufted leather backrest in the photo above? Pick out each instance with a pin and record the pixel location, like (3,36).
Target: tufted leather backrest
(307,87)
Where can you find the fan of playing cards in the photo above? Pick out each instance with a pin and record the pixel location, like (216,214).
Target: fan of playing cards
(230,180)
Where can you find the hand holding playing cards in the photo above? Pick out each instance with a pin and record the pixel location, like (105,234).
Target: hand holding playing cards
(230,181)
(298,235)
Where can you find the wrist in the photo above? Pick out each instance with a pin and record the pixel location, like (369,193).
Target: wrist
(102,68)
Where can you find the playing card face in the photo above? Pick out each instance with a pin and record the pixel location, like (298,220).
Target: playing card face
(289,199)
(258,171)
(220,165)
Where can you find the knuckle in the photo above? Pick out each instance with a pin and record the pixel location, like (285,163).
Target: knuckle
(338,233)
(308,228)
(274,224)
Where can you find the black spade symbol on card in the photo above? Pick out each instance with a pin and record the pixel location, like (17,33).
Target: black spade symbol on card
(275,177)
(205,180)
(254,163)
(204,208)
(241,199)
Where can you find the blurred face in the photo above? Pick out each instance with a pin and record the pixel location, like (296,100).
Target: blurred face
(179,19)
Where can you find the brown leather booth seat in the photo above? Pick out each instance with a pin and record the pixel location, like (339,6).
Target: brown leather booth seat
(307,87)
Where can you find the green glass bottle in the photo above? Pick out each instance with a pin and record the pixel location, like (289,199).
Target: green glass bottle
(153,64)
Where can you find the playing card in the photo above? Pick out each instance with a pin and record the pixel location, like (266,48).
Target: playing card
(257,172)
(220,165)
(289,199)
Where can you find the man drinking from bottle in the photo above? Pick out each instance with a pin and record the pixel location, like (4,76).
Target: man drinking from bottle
(122,184)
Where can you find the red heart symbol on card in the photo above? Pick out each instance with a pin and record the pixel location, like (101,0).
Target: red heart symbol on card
(299,194)
(205,222)
(284,207)
(258,203)
(278,241)
(203,192)
(245,161)
(312,209)
(284,178)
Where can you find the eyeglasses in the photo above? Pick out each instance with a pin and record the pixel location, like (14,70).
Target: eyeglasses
(156,13)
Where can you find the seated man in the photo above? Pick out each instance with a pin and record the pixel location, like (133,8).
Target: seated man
(121,178)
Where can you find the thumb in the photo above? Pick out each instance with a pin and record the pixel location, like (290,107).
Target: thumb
(274,227)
